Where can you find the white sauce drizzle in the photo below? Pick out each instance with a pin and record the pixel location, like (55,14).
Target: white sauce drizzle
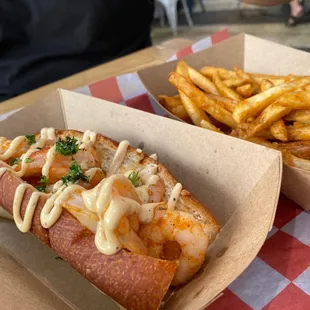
(99,200)
(118,157)
(154,156)
(89,138)
(146,212)
(174,196)
(50,156)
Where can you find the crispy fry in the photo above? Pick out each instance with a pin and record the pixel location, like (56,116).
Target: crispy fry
(234,82)
(197,115)
(288,158)
(245,91)
(247,77)
(224,73)
(227,103)
(182,69)
(279,131)
(199,98)
(254,105)
(295,100)
(265,85)
(169,102)
(300,149)
(202,82)
(298,133)
(302,116)
(270,115)
(223,89)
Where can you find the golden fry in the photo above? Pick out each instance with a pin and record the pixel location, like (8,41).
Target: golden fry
(278,130)
(296,100)
(227,103)
(174,105)
(200,99)
(223,89)
(197,115)
(202,82)
(300,149)
(234,82)
(224,74)
(245,91)
(270,115)
(169,102)
(254,105)
(302,116)
(182,69)
(247,77)
(298,133)
(265,85)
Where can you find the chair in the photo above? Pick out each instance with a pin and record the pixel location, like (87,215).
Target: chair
(170,7)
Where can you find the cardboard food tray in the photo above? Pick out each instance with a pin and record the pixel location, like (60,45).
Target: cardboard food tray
(253,55)
(239,182)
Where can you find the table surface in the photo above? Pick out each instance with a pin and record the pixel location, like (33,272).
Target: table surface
(151,56)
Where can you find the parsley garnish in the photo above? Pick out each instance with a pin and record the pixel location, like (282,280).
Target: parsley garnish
(31,139)
(134,179)
(14,161)
(29,160)
(43,181)
(68,146)
(75,173)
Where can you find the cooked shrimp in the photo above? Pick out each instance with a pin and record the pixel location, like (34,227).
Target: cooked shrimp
(157,191)
(128,226)
(60,166)
(176,235)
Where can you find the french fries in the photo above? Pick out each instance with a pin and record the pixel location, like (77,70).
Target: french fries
(270,110)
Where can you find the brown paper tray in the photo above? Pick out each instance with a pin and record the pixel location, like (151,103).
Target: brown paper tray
(240,183)
(254,55)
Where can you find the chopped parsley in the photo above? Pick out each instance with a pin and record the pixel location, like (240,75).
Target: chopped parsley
(43,181)
(68,146)
(31,139)
(14,161)
(75,174)
(134,179)
(28,160)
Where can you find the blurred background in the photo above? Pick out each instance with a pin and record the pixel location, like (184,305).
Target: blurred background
(208,16)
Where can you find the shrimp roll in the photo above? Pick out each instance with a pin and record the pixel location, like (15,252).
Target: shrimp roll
(114,214)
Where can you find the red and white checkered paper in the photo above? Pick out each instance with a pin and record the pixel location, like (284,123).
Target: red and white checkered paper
(279,277)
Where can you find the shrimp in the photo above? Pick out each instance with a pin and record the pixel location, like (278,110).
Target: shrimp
(128,226)
(61,164)
(178,236)
(157,191)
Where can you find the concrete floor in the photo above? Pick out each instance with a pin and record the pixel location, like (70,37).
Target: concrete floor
(265,23)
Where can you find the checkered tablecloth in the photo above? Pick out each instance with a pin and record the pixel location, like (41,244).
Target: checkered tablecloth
(279,277)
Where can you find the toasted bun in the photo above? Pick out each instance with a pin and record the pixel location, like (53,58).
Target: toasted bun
(134,281)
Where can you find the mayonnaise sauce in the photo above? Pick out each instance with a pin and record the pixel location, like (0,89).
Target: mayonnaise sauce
(52,209)
(118,157)
(50,156)
(174,196)
(107,207)
(24,225)
(154,156)
(89,138)
(146,212)
(47,134)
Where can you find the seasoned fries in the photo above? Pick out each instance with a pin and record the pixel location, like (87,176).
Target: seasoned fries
(270,110)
